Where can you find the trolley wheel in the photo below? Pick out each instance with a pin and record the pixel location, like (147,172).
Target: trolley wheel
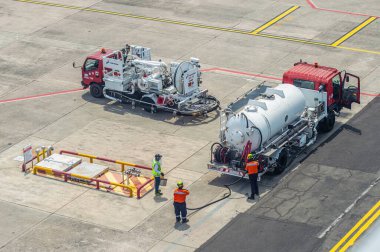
(148,105)
(96,90)
(327,123)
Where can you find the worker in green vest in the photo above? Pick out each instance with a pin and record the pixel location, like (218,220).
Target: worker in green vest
(156,172)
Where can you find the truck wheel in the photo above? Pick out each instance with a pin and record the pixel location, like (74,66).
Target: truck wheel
(281,163)
(328,123)
(148,104)
(96,90)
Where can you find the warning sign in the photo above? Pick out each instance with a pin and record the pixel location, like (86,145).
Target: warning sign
(28,154)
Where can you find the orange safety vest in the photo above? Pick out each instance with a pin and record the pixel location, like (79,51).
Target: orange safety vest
(252,167)
(180,195)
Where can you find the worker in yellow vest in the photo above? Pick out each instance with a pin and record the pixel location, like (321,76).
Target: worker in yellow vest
(157,173)
(252,168)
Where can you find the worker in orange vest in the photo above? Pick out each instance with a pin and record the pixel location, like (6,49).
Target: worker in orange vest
(252,168)
(180,202)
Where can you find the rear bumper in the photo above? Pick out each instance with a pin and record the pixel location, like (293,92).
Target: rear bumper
(226,170)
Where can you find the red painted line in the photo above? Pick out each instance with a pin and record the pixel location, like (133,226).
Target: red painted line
(314,6)
(248,74)
(367,94)
(208,69)
(41,95)
(215,69)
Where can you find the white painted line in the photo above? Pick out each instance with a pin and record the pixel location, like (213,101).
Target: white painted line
(322,234)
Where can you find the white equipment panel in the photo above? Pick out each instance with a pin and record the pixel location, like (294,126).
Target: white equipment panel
(59,162)
(89,170)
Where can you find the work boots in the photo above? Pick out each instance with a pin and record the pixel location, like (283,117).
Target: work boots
(184,220)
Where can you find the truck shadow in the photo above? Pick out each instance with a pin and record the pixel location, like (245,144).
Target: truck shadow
(163,116)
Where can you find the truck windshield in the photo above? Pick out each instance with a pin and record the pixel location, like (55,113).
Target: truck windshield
(91,64)
(304,84)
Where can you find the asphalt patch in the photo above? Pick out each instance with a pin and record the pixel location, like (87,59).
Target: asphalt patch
(248,233)
(355,145)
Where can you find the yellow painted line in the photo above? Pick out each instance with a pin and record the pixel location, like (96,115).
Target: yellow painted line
(136,16)
(202,26)
(275,20)
(361,230)
(266,35)
(354,31)
(358,50)
(357,225)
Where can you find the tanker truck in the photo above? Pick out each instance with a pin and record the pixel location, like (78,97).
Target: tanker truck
(282,121)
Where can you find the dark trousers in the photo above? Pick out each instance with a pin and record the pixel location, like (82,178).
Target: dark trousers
(157,181)
(254,185)
(180,210)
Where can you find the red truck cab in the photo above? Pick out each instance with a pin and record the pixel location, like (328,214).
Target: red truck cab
(342,88)
(92,72)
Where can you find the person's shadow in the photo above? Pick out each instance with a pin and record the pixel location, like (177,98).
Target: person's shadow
(160,199)
(181,226)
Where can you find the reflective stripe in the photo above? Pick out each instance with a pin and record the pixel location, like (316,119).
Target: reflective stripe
(156,168)
(180,195)
(252,167)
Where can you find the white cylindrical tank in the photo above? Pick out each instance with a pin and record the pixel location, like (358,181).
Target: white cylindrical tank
(264,118)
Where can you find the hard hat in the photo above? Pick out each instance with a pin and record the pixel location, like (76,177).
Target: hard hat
(250,156)
(179,183)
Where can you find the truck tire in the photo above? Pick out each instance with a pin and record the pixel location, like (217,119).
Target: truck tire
(148,107)
(96,90)
(328,123)
(282,162)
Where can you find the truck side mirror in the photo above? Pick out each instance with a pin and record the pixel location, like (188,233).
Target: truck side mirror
(75,66)
(347,78)
(322,88)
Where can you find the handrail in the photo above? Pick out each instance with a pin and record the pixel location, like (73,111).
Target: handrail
(98,181)
(141,187)
(122,163)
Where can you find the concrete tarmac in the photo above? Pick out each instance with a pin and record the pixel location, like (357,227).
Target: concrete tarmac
(40,104)
(303,212)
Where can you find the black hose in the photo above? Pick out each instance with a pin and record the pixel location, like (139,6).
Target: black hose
(223,198)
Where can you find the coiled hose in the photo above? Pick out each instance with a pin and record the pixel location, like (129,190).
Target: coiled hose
(223,198)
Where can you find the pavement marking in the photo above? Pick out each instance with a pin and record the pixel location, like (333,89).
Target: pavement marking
(354,31)
(314,6)
(41,95)
(202,26)
(215,69)
(333,224)
(244,73)
(367,222)
(275,20)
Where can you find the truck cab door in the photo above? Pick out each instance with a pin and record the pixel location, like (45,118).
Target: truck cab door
(91,72)
(350,90)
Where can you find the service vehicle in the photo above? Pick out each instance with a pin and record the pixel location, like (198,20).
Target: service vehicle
(129,75)
(284,120)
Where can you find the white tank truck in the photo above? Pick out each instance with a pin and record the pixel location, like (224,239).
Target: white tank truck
(284,121)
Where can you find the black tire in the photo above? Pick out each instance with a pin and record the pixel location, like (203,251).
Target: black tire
(282,162)
(146,105)
(96,90)
(327,124)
